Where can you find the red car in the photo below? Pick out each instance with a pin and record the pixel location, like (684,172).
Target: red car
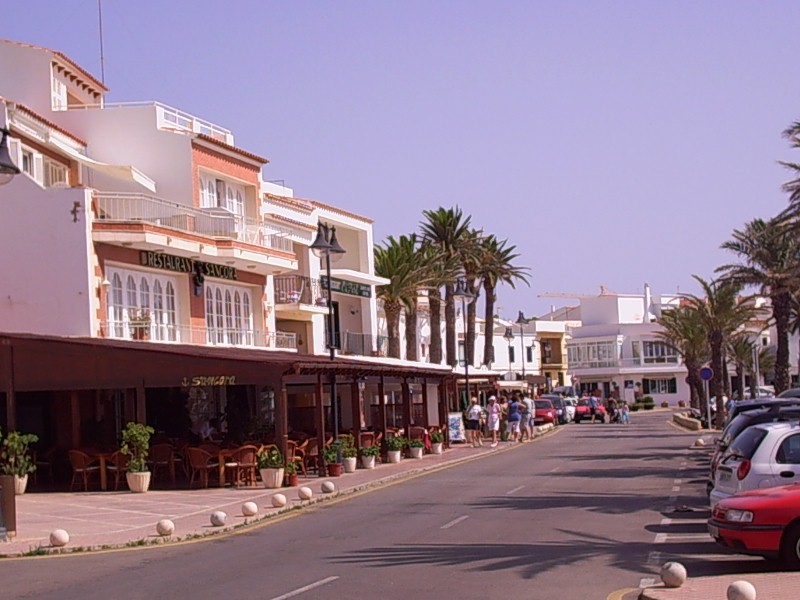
(583,412)
(764,522)
(544,412)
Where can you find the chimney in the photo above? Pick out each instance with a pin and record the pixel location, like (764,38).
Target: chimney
(647,303)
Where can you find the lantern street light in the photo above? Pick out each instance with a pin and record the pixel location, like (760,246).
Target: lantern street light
(521,320)
(462,293)
(7,167)
(325,246)
(508,336)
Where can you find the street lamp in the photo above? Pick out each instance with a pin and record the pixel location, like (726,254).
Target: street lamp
(461,292)
(508,336)
(325,246)
(521,320)
(7,167)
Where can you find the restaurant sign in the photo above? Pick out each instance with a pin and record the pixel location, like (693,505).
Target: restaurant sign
(348,287)
(210,380)
(168,262)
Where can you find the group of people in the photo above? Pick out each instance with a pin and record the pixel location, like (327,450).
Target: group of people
(517,412)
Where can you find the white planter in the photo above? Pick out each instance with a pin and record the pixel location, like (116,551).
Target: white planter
(138,482)
(20,483)
(436,448)
(368,462)
(350,464)
(393,456)
(416,452)
(272,477)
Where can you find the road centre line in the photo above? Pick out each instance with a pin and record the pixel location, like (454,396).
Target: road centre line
(666,521)
(660,538)
(454,522)
(677,482)
(516,489)
(676,488)
(306,588)
(646,582)
(554,469)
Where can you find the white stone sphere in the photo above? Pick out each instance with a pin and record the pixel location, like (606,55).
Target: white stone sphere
(699,442)
(673,574)
(741,590)
(218,518)
(59,538)
(278,500)
(249,509)
(328,487)
(305,493)
(165,527)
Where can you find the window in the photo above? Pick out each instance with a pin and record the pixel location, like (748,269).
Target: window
(592,354)
(58,91)
(511,357)
(529,354)
(660,386)
(55,173)
(229,318)
(135,294)
(659,352)
(789,451)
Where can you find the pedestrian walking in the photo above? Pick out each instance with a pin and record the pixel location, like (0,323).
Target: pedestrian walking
(514,418)
(623,413)
(594,403)
(528,412)
(474,413)
(493,412)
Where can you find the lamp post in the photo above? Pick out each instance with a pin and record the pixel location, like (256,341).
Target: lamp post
(7,167)
(324,246)
(508,336)
(461,292)
(521,320)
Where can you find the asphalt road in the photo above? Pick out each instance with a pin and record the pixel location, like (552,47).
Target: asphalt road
(574,515)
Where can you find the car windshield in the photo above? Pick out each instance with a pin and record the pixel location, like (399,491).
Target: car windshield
(747,442)
(583,402)
(543,404)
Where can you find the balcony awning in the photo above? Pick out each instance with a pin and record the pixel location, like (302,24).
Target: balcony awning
(124,172)
(359,277)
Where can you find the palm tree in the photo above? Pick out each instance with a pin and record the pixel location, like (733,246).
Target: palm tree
(684,331)
(721,313)
(497,266)
(792,187)
(426,265)
(740,351)
(471,258)
(770,262)
(445,229)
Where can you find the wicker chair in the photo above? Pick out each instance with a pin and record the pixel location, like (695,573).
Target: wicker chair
(84,467)
(201,463)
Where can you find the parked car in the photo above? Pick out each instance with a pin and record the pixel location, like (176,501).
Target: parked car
(742,421)
(560,405)
(762,391)
(791,393)
(744,405)
(761,456)
(760,522)
(584,412)
(544,412)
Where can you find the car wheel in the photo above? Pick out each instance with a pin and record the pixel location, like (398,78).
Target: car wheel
(790,547)
(577,419)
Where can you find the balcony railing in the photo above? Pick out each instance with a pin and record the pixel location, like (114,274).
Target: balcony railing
(203,336)
(292,289)
(141,208)
(624,363)
(364,344)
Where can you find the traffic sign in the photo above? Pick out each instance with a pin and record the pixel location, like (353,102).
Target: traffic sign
(706,373)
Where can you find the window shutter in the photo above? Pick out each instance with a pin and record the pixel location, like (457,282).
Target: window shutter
(646,386)
(673,386)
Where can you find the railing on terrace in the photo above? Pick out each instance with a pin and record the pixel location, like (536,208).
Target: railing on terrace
(203,336)
(130,207)
(625,362)
(291,289)
(168,117)
(361,344)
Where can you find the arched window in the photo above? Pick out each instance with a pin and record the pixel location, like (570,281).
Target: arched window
(136,296)
(172,316)
(219,310)
(159,322)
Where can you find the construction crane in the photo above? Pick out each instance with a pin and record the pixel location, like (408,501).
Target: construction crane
(603,292)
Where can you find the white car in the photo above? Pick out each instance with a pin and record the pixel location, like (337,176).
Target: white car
(569,406)
(762,456)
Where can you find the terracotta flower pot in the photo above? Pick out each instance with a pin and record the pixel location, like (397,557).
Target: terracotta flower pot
(334,469)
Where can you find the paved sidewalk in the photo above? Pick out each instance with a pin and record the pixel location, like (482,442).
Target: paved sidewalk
(100,520)
(769,586)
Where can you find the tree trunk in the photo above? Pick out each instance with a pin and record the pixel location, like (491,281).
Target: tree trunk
(435,304)
(781,310)
(411,331)
(695,384)
(717,382)
(488,316)
(450,326)
(741,372)
(392,310)
(471,315)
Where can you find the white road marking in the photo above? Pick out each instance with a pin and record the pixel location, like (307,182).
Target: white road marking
(676,488)
(672,499)
(554,469)
(677,482)
(454,522)
(660,538)
(666,521)
(306,588)
(654,558)
(516,489)
(646,582)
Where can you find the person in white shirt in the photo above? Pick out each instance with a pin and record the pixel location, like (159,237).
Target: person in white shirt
(474,414)
(528,414)
(493,418)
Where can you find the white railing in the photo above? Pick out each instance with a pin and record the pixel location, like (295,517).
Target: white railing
(203,336)
(168,117)
(128,207)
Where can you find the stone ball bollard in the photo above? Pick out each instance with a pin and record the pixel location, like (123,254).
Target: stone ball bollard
(328,487)
(249,509)
(741,590)
(699,442)
(165,527)
(305,493)
(278,500)
(59,538)
(218,518)
(673,574)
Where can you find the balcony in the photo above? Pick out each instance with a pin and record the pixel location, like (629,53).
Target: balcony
(113,207)
(298,289)
(202,336)
(364,344)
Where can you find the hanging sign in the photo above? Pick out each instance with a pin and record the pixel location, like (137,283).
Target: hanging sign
(350,288)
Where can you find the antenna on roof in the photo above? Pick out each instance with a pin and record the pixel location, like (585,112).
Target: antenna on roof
(102,58)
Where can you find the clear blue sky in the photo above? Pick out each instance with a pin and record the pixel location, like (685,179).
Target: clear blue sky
(614,143)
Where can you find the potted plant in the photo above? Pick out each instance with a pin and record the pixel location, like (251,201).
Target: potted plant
(140,324)
(331,457)
(349,458)
(136,444)
(368,455)
(416,448)
(270,467)
(394,448)
(292,477)
(15,459)
(437,442)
